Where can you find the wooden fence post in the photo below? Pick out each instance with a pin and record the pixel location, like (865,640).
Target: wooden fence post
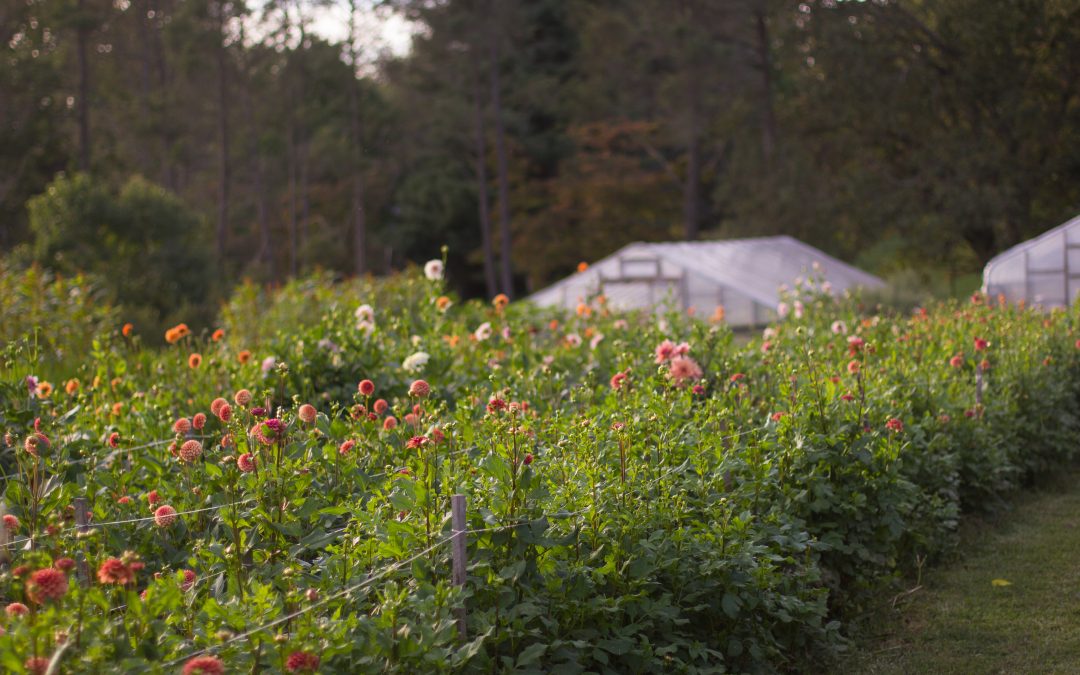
(457,506)
(82,509)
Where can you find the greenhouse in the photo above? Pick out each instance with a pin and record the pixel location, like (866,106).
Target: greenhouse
(740,279)
(1042,271)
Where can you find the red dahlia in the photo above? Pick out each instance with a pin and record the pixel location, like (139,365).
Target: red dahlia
(302,662)
(204,665)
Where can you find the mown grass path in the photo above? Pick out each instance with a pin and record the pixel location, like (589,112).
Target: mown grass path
(961,622)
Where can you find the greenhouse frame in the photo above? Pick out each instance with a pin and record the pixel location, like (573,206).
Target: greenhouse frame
(744,277)
(1044,271)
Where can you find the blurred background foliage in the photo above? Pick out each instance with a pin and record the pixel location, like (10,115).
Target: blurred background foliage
(176,147)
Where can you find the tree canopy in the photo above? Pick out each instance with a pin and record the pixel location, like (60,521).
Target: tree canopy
(531,134)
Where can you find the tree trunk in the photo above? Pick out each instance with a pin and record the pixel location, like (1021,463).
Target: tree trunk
(223,134)
(83,68)
(168,173)
(482,188)
(768,112)
(692,188)
(293,243)
(144,26)
(503,176)
(305,200)
(359,218)
(266,251)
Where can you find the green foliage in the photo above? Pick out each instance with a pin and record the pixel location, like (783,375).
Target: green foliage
(729,522)
(150,251)
(48,319)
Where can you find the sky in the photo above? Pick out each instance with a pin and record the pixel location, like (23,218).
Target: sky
(387,31)
(381,32)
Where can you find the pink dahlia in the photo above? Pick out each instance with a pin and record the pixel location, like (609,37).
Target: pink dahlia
(855,344)
(216,404)
(204,665)
(664,351)
(419,389)
(17,609)
(302,662)
(190,451)
(307,413)
(114,571)
(37,665)
(35,442)
(164,516)
(246,462)
(684,369)
(47,584)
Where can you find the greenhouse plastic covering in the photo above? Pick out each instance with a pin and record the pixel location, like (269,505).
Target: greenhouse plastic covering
(744,276)
(1043,271)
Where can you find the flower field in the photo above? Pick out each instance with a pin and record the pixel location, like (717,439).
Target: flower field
(644,493)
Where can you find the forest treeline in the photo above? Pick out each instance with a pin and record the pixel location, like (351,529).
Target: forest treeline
(527,135)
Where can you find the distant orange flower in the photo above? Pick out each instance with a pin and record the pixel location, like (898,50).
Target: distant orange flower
(553,324)
(582,266)
(195,360)
(177,332)
(44,389)
(451,340)
(217,335)
(584,310)
(71,387)
(117,408)
(500,302)
(442,303)
(244,356)
(718,314)
(127,330)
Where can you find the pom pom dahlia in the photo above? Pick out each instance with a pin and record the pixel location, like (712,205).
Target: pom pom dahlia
(47,584)
(164,516)
(302,662)
(190,451)
(204,665)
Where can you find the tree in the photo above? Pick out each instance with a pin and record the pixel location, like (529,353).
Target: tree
(151,250)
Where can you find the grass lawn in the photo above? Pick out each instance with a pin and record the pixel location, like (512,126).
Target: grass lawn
(961,622)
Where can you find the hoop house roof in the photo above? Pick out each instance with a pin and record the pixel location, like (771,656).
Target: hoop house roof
(1041,271)
(743,276)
